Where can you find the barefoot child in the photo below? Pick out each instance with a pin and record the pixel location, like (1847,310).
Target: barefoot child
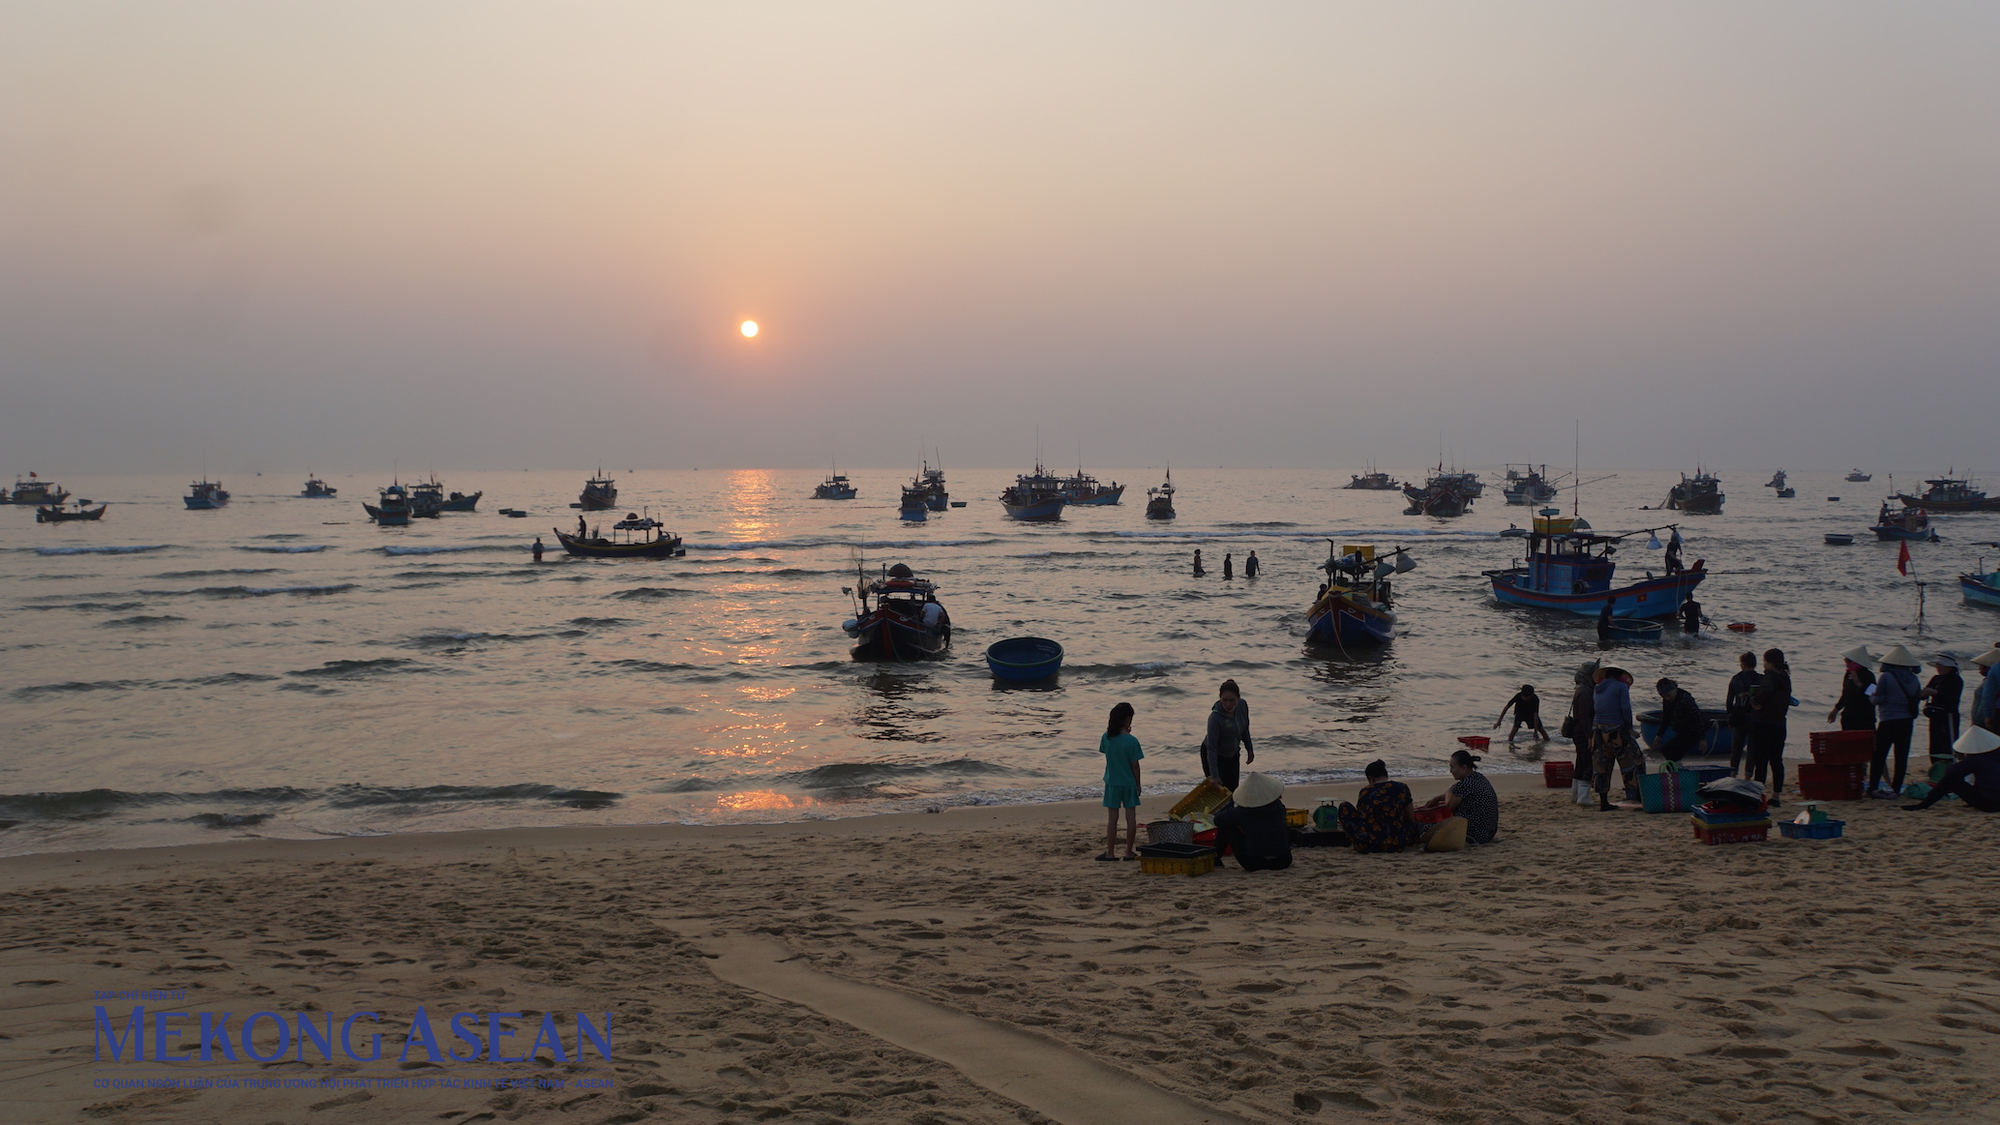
(1527,708)
(1121,782)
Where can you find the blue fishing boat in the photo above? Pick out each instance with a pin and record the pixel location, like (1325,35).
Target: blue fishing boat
(1024,659)
(1569,567)
(395,509)
(936,497)
(1981,587)
(1035,496)
(205,495)
(1906,522)
(1353,607)
(916,501)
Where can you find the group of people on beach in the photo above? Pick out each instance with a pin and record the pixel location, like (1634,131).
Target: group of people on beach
(1252,825)
(1251,565)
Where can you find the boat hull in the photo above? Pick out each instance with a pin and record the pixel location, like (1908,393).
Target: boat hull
(1655,597)
(51,515)
(462,503)
(918,514)
(1696,505)
(203,503)
(1103,496)
(1980,589)
(1988,504)
(938,501)
(1159,511)
(1347,622)
(1892,533)
(1038,510)
(888,636)
(666,547)
(384,517)
(598,502)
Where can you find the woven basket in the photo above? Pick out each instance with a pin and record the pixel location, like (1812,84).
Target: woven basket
(1169,832)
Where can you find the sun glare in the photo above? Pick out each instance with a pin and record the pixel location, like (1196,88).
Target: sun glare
(749,328)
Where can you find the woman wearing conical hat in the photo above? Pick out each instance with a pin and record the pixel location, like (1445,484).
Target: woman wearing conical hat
(1974,778)
(1856,708)
(1941,697)
(1897,698)
(1984,701)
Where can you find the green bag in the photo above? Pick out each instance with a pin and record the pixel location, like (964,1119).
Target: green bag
(1670,790)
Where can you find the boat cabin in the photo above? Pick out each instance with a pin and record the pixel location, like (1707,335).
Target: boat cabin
(1566,557)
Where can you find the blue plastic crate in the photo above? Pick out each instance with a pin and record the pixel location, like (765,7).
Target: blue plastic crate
(1824,830)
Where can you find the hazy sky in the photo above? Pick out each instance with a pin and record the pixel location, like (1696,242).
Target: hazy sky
(487,234)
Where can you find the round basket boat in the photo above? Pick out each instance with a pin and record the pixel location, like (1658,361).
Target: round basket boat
(1635,630)
(1024,659)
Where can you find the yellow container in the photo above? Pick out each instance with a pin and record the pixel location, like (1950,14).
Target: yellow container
(1365,550)
(1202,799)
(1554,525)
(1298,818)
(1199,865)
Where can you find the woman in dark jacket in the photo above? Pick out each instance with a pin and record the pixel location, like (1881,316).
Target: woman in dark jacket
(1742,687)
(1226,748)
(1583,707)
(1941,696)
(1856,708)
(1253,826)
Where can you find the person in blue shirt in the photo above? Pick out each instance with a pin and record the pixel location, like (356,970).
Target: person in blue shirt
(1986,700)
(1897,701)
(1611,720)
(1121,782)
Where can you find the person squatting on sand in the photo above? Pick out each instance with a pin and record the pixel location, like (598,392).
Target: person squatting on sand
(1682,727)
(1121,781)
(1379,818)
(1975,778)
(1896,704)
(1253,825)
(1527,707)
(1742,691)
(1228,734)
(1475,808)
(1611,718)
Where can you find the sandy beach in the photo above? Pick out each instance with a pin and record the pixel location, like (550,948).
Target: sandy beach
(976,966)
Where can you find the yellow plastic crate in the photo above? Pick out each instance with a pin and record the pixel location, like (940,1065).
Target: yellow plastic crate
(1203,799)
(1298,818)
(1198,865)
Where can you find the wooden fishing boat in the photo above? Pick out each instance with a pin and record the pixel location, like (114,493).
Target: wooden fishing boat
(34,490)
(1903,523)
(394,510)
(1354,605)
(1024,660)
(1948,494)
(427,499)
(1444,496)
(1035,496)
(835,487)
(56,513)
(634,537)
(898,617)
(1160,501)
(1086,490)
(1700,493)
(1980,589)
(1787,493)
(600,493)
(317,489)
(916,501)
(1839,539)
(1569,567)
(1527,485)
(1372,481)
(205,495)
(936,497)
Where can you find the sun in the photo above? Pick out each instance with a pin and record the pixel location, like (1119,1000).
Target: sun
(749,329)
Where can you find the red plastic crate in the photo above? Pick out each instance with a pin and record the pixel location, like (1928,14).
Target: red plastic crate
(1842,747)
(1833,783)
(1475,741)
(1431,816)
(1732,834)
(1558,775)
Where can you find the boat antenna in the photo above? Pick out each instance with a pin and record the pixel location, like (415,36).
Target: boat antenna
(1576,468)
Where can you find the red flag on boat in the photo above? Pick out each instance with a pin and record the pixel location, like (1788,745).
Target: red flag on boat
(31,475)
(1903,558)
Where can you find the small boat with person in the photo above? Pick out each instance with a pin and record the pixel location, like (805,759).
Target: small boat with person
(897,617)
(600,493)
(634,537)
(1777,480)
(317,489)
(1035,496)
(1903,522)
(56,513)
(1571,568)
(205,495)
(1160,501)
(34,490)
(1354,604)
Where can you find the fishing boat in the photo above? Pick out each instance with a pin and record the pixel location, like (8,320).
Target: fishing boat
(1467,482)
(1700,493)
(1569,567)
(835,487)
(1858,476)
(34,490)
(394,510)
(1513,532)
(1444,495)
(1085,489)
(898,617)
(600,493)
(634,537)
(427,499)
(936,498)
(916,501)
(1354,607)
(204,495)
(317,489)
(1035,496)
(1904,522)
(1839,539)
(1372,481)
(1527,485)
(1981,587)
(1777,480)
(1787,493)
(56,513)
(1160,501)
(1947,494)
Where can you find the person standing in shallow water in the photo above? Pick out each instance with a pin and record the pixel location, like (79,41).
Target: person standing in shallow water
(1228,566)
(1198,570)
(1604,621)
(1250,566)
(538,548)
(1226,748)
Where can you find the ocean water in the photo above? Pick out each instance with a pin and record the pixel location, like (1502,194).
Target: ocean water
(283,667)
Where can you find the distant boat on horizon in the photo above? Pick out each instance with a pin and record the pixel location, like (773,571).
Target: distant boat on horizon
(205,495)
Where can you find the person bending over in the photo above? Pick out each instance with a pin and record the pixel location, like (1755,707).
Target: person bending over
(1527,707)
(1681,726)
(1253,825)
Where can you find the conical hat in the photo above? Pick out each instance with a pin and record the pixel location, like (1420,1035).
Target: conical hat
(1901,658)
(1988,658)
(1977,740)
(1860,655)
(1258,790)
(1448,836)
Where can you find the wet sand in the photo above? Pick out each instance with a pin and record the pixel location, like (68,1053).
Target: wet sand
(977,966)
